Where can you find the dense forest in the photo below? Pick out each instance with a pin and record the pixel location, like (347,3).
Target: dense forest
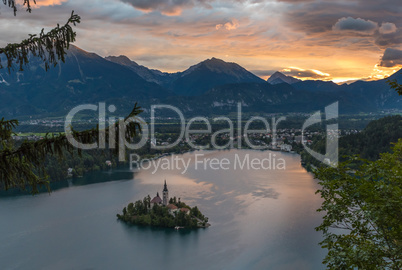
(376,138)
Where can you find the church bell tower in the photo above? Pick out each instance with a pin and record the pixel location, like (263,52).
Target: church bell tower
(165,195)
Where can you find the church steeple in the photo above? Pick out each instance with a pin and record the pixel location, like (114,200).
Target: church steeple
(165,187)
(165,194)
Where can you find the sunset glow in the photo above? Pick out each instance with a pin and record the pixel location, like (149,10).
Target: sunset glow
(326,40)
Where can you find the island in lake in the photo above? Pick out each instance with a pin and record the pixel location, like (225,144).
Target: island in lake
(163,212)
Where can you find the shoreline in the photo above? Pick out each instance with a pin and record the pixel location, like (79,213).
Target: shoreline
(66,182)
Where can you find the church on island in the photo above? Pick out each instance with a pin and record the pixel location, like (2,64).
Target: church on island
(163,212)
(164,201)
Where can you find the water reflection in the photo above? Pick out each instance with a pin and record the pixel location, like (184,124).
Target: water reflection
(261,219)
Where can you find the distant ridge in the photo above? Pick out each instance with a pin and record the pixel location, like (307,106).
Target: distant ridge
(195,80)
(211,87)
(279,77)
(83,78)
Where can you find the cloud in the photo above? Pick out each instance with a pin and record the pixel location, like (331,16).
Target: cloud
(317,21)
(387,28)
(389,40)
(355,25)
(45,3)
(233,25)
(167,7)
(388,35)
(320,15)
(391,58)
(305,73)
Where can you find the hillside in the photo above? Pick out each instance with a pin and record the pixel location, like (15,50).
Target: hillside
(83,78)
(376,138)
(150,75)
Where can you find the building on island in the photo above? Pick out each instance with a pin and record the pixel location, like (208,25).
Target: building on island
(164,201)
(185,211)
(172,208)
(157,200)
(165,195)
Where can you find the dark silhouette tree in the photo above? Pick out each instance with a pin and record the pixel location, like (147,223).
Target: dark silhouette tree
(23,166)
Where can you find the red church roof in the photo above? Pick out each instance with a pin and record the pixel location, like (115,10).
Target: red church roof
(172,206)
(157,199)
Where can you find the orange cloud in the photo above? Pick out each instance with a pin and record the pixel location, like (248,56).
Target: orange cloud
(380,72)
(170,12)
(174,12)
(306,74)
(45,3)
(233,25)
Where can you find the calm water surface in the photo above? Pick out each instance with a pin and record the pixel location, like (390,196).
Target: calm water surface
(261,219)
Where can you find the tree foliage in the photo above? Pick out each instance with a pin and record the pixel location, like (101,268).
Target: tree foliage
(362,225)
(144,214)
(373,140)
(396,86)
(51,47)
(23,166)
(12,4)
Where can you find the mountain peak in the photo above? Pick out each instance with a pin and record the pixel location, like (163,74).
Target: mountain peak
(215,60)
(211,73)
(122,60)
(216,65)
(279,77)
(78,51)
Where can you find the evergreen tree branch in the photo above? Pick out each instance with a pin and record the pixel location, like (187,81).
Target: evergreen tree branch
(50,47)
(396,86)
(12,4)
(24,166)
(6,128)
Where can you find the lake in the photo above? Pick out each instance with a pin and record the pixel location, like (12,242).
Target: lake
(261,219)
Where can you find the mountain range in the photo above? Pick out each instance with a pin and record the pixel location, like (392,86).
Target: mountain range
(212,87)
(194,81)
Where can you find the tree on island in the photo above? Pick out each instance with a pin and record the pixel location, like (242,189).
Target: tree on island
(362,225)
(141,213)
(23,166)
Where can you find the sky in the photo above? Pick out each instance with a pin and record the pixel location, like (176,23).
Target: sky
(309,39)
